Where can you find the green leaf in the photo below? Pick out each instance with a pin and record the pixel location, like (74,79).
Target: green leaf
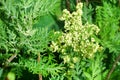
(47,21)
(1,71)
(98,77)
(88,75)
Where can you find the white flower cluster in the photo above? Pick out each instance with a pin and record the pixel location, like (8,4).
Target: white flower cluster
(77,36)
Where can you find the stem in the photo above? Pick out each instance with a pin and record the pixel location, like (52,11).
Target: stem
(113,67)
(38,59)
(10,59)
(77,1)
(119,3)
(40,77)
(87,2)
(68,4)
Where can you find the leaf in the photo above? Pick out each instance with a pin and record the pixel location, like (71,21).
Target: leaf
(47,21)
(98,77)
(1,71)
(88,75)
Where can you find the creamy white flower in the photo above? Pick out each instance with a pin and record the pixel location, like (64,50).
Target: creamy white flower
(66,59)
(75,59)
(77,37)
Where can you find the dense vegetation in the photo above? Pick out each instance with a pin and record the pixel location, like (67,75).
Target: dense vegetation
(59,39)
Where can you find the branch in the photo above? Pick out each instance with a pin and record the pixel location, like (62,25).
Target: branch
(77,1)
(87,2)
(113,67)
(10,59)
(119,3)
(38,59)
(68,4)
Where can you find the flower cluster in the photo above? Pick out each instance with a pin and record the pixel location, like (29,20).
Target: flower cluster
(78,39)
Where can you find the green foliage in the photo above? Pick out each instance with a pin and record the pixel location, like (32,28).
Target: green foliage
(32,44)
(95,69)
(87,13)
(77,38)
(1,71)
(113,2)
(20,20)
(115,74)
(19,35)
(107,18)
(77,42)
(47,21)
(59,77)
(44,67)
